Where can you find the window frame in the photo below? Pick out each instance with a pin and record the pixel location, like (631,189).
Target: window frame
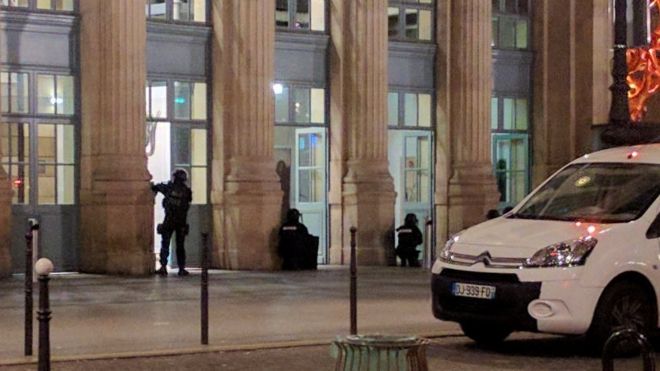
(291,105)
(32,7)
(401,105)
(169,14)
(188,124)
(291,12)
(501,13)
(402,5)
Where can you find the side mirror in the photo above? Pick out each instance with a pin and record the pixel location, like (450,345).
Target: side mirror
(654,229)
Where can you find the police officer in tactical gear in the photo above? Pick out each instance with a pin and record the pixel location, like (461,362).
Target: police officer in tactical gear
(176,203)
(293,241)
(409,238)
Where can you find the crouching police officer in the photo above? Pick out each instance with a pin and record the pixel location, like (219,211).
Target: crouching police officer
(293,239)
(176,203)
(409,237)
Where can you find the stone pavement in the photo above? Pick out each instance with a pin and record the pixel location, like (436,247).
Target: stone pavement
(110,317)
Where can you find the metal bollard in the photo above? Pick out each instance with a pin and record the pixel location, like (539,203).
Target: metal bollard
(29,299)
(44,267)
(646,349)
(205,289)
(353,283)
(428,244)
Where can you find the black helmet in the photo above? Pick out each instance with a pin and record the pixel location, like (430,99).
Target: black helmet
(293,216)
(411,219)
(179,176)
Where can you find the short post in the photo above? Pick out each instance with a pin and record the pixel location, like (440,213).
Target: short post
(28,293)
(428,244)
(353,283)
(44,267)
(630,335)
(205,289)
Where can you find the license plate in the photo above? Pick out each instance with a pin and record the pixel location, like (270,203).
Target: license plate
(470,290)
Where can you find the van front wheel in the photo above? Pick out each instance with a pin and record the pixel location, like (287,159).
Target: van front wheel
(623,305)
(486,333)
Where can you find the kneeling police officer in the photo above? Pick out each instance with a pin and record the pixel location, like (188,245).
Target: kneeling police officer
(176,203)
(409,237)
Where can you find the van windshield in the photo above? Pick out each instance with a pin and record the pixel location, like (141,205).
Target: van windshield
(595,192)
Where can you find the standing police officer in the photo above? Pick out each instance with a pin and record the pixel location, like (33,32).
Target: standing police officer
(176,203)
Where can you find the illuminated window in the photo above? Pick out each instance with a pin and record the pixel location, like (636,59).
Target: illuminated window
(300,15)
(53,5)
(182,129)
(410,109)
(177,10)
(510,137)
(15,144)
(55,94)
(411,20)
(15,92)
(298,105)
(511,24)
(55,170)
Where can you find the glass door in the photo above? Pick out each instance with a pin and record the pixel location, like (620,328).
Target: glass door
(309,179)
(411,166)
(510,154)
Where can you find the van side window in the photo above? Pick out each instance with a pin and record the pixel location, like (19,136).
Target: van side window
(654,229)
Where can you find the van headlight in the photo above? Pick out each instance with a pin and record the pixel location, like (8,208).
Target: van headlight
(563,254)
(445,252)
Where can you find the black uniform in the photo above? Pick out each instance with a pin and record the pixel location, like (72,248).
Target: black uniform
(294,237)
(409,238)
(176,204)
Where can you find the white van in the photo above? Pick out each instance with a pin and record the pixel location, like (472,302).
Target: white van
(579,255)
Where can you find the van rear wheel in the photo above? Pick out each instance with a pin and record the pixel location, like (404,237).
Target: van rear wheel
(623,305)
(486,333)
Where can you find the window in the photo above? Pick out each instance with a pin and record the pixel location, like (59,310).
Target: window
(15,92)
(411,20)
(298,105)
(177,10)
(410,109)
(54,5)
(15,142)
(300,15)
(511,24)
(417,168)
(510,128)
(177,119)
(38,137)
(55,94)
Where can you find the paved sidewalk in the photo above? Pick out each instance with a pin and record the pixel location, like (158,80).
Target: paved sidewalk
(99,316)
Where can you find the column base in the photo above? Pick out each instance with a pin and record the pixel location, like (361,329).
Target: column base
(472,192)
(369,200)
(117,229)
(250,217)
(5,228)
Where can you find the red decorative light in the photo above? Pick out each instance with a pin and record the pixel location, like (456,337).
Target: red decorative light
(18,183)
(591,229)
(633,154)
(644,70)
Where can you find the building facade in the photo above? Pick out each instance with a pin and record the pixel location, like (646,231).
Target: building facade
(355,112)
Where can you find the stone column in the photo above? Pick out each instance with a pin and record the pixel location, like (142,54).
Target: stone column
(358,69)
(116,201)
(472,188)
(5,221)
(246,191)
(573,42)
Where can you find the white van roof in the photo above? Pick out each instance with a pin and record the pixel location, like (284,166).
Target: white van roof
(645,153)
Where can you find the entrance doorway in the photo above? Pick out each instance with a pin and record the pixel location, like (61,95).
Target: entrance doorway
(411,166)
(302,167)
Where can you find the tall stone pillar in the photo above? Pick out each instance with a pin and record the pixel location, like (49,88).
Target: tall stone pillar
(358,70)
(246,191)
(472,188)
(116,201)
(573,42)
(5,221)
